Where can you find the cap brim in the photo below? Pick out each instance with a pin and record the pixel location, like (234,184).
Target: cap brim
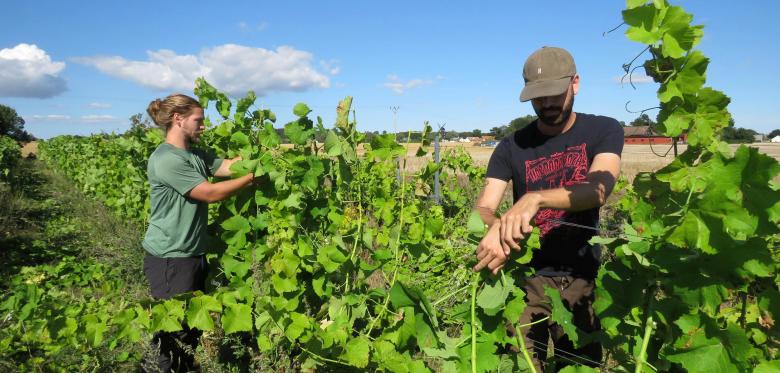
(543,89)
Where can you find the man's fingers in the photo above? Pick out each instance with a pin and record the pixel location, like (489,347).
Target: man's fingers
(517,234)
(495,271)
(508,236)
(527,228)
(481,252)
(496,263)
(482,263)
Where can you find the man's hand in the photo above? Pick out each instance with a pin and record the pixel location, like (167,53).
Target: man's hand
(490,252)
(516,223)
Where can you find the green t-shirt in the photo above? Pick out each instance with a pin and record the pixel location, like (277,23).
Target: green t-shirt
(177,225)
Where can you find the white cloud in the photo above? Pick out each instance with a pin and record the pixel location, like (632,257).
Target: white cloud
(98,105)
(245,27)
(398,86)
(48,117)
(97,118)
(635,78)
(229,67)
(28,71)
(331,66)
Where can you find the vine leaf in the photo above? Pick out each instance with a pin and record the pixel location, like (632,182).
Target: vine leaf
(237,318)
(198,312)
(561,315)
(356,352)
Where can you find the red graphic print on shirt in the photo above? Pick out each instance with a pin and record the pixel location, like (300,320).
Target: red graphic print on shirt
(554,171)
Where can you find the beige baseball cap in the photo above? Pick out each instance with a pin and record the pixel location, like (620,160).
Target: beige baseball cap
(547,72)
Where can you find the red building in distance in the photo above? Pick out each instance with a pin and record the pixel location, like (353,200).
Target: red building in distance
(646,135)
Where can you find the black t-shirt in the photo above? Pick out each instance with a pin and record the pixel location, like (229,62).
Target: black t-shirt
(534,161)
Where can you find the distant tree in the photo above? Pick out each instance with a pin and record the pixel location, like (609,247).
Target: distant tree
(622,123)
(498,132)
(12,125)
(735,135)
(140,121)
(519,123)
(774,133)
(477,132)
(642,120)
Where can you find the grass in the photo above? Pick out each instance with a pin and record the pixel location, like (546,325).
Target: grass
(47,218)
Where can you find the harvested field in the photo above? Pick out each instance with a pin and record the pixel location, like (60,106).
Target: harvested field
(636,158)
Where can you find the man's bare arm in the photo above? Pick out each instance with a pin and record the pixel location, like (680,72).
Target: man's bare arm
(592,193)
(214,192)
(224,168)
(490,252)
(489,199)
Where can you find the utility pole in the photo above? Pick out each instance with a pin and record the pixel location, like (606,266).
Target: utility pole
(394,109)
(436,148)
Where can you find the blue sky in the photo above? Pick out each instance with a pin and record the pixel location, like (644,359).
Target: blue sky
(77,67)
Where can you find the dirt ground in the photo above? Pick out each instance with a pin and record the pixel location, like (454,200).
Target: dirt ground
(30,148)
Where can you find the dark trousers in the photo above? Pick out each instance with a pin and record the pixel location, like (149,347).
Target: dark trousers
(577,295)
(168,277)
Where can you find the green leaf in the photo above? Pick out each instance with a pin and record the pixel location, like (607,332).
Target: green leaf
(242,106)
(356,351)
(578,369)
(298,324)
(515,307)
(706,358)
(493,296)
(297,132)
(223,105)
(244,166)
(475,225)
(311,179)
(239,140)
(561,315)
(94,329)
(642,24)
(635,3)
(198,312)
(293,200)
(330,257)
(333,145)
(237,318)
(127,321)
(283,284)
(389,358)
(403,296)
(301,109)
(205,92)
(692,233)
(236,223)
(167,316)
(680,36)
(268,136)
(487,357)
(768,367)
(385,147)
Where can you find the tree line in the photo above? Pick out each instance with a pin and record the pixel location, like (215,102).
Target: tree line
(12,125)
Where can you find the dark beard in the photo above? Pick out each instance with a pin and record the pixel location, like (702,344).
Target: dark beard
(555,116)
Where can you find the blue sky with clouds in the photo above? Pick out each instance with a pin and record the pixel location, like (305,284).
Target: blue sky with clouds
(78,67)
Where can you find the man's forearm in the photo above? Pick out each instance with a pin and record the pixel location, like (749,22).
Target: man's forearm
(224,189)
(488,215)
(577,197)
